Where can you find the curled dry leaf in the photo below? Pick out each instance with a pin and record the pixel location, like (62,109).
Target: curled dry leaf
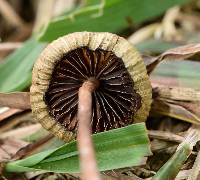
(181,52)
(16,121)
(192,107)
(175,110)
(8,147)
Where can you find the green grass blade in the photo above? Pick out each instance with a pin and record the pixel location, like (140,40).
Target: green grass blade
(15,71)
(170,169)
(111,16)
(116,148)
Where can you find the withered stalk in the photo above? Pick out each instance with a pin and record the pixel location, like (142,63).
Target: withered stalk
(18,100)
(88,163)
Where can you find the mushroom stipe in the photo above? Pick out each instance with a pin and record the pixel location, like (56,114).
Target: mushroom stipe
(123,94)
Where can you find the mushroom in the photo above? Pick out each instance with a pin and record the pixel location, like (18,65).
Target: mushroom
(86,83)
(122,92)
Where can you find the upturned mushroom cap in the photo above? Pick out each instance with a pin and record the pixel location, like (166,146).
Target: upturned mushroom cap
(123,95)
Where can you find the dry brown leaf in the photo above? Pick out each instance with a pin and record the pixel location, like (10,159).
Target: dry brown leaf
(181,52)
(163,107)
(8,147)
(16,120)
(192,107)
(141,172)
(183,174)
(157,145)
(19,100)
(22,132)
(31,148)
(115,175)
(195,171)
(11,148)
(177,93)
(9,113)
(164,135)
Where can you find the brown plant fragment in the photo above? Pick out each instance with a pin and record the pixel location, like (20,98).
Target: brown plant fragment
(174,109)
(181,53)
(8,148)
(19,100)
(177,93)
(164,135)
(195,171)
(8,113)
(31,148)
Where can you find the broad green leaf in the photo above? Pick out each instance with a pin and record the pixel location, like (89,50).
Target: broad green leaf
(116,148)
(106,15)
(15,70)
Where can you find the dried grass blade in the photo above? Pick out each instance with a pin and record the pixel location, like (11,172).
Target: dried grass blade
(19,100)
(175,110)
(181,53)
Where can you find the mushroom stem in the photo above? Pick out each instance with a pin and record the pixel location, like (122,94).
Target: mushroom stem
(88,163)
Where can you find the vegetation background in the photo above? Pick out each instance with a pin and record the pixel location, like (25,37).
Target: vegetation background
(167,34)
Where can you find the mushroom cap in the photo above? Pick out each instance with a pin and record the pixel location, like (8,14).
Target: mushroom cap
(54,62)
